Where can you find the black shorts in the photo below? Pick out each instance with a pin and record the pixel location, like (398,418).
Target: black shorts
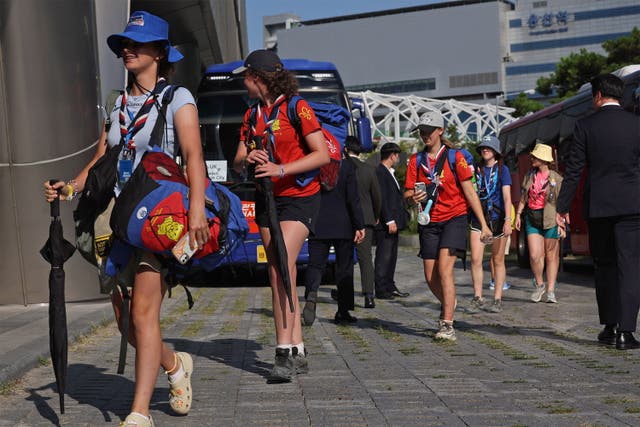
(303,209)
(496,226)
(450,234)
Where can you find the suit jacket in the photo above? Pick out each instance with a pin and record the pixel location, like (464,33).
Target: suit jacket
(340,212)
(607,143)
(392,208)
(369,191)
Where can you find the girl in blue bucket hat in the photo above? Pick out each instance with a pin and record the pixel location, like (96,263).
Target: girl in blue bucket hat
(148,56)
(493,184)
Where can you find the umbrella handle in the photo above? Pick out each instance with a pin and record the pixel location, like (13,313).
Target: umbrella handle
(55,204)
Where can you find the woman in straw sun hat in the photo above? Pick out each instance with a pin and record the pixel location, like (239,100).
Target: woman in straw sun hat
(536,212)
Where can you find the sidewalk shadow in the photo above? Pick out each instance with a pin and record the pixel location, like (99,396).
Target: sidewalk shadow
(86,385)
(235,352)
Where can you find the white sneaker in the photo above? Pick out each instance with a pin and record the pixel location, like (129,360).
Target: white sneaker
(446,331)
(551,297)
(536,295)
(137,420)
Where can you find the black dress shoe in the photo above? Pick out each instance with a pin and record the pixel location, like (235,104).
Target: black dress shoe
(344,317)
(334,294)
(626,341)
(369,302)
(608,335)
(385,295)
(397,293)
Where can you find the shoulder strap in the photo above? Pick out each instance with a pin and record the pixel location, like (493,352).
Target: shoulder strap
(292,112)
(158,129)
(440,163)
(110,105)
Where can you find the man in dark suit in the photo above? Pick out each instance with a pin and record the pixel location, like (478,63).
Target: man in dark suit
(340,224)
(370,201)
(393,218)
(607,143)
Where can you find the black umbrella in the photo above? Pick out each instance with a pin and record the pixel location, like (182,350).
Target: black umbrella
(56,251)
(265,190)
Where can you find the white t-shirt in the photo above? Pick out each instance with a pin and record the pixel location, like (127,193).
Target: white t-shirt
(181,97)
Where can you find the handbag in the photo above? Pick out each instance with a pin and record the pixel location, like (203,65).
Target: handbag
(535,218)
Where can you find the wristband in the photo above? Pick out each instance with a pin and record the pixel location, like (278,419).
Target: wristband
(281,171)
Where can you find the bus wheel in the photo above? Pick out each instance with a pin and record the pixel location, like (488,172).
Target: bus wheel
(523,250)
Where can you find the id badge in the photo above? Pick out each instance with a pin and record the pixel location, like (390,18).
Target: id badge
(125,167)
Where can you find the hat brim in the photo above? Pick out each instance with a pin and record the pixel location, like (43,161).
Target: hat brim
(115,43)
(426,128)
(241,69)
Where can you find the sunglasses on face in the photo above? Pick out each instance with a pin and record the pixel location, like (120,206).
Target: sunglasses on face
(130,44)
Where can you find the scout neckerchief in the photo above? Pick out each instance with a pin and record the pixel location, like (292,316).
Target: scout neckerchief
(430,170)
(487,185)
(269,121)
(128,133)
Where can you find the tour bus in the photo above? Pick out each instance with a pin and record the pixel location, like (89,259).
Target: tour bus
(222,101)
(554,126)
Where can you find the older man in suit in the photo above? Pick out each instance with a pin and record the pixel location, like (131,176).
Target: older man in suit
(393,218)
(340,224)
(607,143)
(370,201)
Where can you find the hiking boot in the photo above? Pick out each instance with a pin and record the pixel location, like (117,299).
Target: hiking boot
(309,310)
(551,297)
(505,286)
(476,304)
(180,391)
(283,368)
(536,295)
(137,420)
(446,331)
(300,362)
(496,307)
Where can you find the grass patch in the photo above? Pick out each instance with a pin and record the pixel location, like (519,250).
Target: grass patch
(9,387)
(229,327)
(388,334)
(410,350)
(44,361)
(632,410)
(214,303)
(350,334)
(518,381)
(556,408)
(494,344)
(193,329)
(618,400)
(240,304)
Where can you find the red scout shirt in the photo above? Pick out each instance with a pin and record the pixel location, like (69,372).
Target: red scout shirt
(451,201)
(288,145)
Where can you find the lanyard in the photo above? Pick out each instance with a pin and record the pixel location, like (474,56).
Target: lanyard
(268,121)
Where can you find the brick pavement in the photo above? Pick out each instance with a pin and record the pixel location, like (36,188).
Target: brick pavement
(532,365)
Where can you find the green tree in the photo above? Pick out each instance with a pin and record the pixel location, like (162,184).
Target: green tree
(623,51)
(524,105)
(572,72)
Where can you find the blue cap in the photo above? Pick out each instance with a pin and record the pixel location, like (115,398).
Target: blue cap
(144,27)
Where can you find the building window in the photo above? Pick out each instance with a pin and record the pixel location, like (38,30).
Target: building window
(405,86)
(538,4)
(478,79)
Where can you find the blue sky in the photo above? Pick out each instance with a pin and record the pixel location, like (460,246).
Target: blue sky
(314,9)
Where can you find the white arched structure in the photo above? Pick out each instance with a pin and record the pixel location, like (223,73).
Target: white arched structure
(393,117)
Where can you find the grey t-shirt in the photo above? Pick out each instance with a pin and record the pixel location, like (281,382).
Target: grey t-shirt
(181,97)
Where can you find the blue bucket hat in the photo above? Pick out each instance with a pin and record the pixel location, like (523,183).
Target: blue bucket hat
(144,27)
(492,142)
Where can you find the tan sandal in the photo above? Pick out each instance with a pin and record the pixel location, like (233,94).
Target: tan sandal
(180,392)
(137,420)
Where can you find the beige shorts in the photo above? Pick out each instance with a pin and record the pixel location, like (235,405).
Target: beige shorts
(126,277)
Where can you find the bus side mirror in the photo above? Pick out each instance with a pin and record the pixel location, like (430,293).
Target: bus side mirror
(363,129)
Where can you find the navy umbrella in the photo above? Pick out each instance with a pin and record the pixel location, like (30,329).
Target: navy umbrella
(56,251)
(265,190)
